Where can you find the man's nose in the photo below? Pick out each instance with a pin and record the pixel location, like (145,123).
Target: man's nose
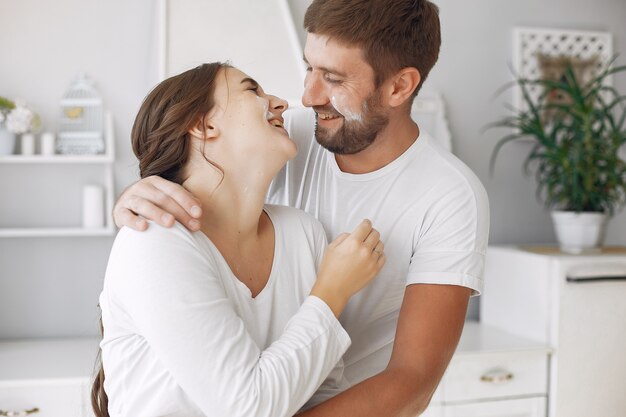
(314,91)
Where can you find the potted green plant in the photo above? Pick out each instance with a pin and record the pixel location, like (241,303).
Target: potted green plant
(575,154)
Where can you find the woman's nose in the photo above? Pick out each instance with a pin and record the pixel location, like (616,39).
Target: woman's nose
(278,104)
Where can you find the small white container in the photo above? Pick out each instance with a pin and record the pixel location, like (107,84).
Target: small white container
(47,143)
(7,141)
(93,207)
(578,232)
(27,144)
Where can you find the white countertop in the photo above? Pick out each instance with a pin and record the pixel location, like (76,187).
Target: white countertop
(58,359)
(478,338)
(49,359)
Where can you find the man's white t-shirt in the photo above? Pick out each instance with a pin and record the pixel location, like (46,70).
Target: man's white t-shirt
(184,337)
(432,213)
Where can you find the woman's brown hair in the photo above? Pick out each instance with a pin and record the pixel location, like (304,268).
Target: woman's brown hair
(160,142)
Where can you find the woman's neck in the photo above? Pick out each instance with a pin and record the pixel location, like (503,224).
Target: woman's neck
(232,217)
(231,209)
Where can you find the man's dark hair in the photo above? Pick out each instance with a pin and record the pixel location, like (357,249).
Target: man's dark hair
(393,34)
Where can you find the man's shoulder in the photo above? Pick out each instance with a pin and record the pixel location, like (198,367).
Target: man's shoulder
(447,171)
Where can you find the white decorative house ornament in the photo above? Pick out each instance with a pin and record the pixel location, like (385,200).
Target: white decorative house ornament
(82,119)
(530,43)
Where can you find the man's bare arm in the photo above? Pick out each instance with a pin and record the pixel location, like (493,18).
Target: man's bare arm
(162,201)
(429,327)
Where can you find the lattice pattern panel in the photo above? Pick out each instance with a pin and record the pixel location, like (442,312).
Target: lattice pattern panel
(529,42)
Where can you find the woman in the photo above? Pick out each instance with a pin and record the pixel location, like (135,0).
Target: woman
(240,318)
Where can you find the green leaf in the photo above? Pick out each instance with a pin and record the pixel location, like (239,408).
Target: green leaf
(5,103)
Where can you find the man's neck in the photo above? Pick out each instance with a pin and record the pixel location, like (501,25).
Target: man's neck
(390,143)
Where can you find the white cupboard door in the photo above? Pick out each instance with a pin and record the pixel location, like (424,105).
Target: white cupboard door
(527,407)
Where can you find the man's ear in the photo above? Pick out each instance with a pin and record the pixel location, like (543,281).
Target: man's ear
(403,84)
(204,129)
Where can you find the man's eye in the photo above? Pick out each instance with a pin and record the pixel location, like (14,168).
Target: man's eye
(308,68)
(331,80)
(255,89)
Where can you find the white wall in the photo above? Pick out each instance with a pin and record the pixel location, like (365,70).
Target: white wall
(474,63)
(262,42)
(49,287)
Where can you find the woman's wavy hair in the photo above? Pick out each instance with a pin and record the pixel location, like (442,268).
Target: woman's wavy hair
(161,143)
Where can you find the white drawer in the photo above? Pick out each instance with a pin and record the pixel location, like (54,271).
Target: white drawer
(527,407)
(52,398)
(494,375)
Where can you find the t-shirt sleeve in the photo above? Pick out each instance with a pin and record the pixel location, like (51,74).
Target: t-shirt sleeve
(333,385)
(170,289)
(450,244)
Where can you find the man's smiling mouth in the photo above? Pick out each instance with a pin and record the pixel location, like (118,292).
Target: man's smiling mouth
(328,116)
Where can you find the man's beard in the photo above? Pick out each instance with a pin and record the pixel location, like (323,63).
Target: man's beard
(354,135)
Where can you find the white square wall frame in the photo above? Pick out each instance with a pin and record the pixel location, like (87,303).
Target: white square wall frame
(528,42)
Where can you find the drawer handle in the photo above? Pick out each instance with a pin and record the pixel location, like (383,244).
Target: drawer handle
(18,413)
(497,376)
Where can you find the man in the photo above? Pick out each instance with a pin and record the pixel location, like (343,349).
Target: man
(367,59)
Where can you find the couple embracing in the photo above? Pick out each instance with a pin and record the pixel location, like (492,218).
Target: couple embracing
(222,296)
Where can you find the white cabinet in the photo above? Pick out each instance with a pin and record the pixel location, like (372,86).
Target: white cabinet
(52,377)
(493,374)
(526,407)
(30,172)
(576,304)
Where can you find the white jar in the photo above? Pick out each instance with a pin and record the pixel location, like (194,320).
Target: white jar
(27,144)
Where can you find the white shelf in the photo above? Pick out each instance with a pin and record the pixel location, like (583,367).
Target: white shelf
(56,232)
(105,162)
(56,159)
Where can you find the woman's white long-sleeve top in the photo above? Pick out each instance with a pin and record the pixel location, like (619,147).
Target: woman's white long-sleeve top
(184,337)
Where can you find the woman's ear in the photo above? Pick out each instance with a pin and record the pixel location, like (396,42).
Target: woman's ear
(404,84)
(204,129)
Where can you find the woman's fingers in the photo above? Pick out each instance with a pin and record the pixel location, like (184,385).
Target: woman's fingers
(362,230)
(372,239)
(379,249)
(340,239)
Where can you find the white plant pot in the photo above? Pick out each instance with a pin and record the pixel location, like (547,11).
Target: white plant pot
(577,232)
(7,142)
